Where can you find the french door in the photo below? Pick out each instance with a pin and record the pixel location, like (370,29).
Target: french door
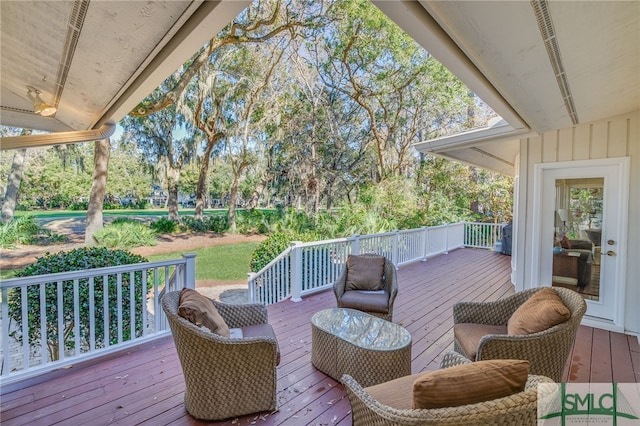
(581,227)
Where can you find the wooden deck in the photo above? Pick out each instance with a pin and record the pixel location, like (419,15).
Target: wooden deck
(145,386)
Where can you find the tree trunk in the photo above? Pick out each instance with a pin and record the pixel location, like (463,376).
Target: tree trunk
(233,197)
(201,189)
(98,188)
(173,177)
(13,185)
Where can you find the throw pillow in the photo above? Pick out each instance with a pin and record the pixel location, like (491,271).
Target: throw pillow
(541,311)
(364,273)
(470,383)
(198,309)
(565,243)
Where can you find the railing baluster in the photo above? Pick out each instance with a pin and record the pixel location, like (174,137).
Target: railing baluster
(60,307)
(132,305)
(76,318)
(25,326)
(156,301)
(119,304)
(6,355)
(92,314)
(43,323)
(105,312)
(144,303)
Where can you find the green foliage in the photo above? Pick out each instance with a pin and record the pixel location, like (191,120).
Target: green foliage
(74,260)
(256,221)
(126,233)
(164,226)
(79,205)
(215,223)
(25,230)
(269,249)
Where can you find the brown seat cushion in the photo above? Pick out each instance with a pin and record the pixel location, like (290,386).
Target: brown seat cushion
(367,301)
(540,312)
(364,272)
(468,335)
(470,383)
(199,310)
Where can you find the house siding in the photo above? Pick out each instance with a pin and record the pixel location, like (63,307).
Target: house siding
(615,137)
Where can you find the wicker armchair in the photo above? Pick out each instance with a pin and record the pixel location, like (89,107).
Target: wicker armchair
(390,286)
(224,377)
(547,351)
(518,409)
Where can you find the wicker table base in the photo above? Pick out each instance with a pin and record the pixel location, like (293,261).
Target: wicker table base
(369,349)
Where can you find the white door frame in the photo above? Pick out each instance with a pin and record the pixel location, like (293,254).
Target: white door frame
(543,228)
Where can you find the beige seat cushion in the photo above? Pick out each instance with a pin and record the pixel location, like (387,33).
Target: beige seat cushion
(368,301)
(256,330)
(470,383)
(468,335)
(557,279)
(540,312)
(199,310)
(364,272)
(396,393)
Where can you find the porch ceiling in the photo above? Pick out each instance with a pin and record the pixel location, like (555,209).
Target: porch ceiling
(95,60)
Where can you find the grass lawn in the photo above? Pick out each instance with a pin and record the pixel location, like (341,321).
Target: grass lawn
(56,214)
(5,274)
(223,263)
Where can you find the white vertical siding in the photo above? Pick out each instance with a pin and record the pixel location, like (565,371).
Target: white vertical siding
(615,137)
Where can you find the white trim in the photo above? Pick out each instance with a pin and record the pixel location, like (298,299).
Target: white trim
(623,165)
(473,138)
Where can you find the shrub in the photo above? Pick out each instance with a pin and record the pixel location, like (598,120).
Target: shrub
(125,233)
(269,249)
(25,230)
(256,221)
(74,260)
(79,205)
(164,226)
(216,223)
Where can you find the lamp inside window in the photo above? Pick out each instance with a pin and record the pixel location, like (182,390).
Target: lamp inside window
(563,215)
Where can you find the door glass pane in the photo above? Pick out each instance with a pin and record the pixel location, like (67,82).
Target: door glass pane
(577,237)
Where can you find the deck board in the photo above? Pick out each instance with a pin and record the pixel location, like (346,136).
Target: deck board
(144,385)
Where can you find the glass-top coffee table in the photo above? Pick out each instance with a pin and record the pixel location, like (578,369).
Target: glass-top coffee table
(368,348)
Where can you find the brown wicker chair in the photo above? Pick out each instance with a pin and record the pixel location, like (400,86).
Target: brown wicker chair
(224,377)
(547,351)
(518,409)
(390,285)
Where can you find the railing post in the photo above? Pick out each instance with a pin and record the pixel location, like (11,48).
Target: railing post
(446,239)
(251,294)
(296,272)
(424,242)
(355,244)
(190,270)
(464,235)
(394,248)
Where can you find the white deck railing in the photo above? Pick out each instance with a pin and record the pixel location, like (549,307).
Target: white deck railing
(482,235)
(92,312)
(306,268)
